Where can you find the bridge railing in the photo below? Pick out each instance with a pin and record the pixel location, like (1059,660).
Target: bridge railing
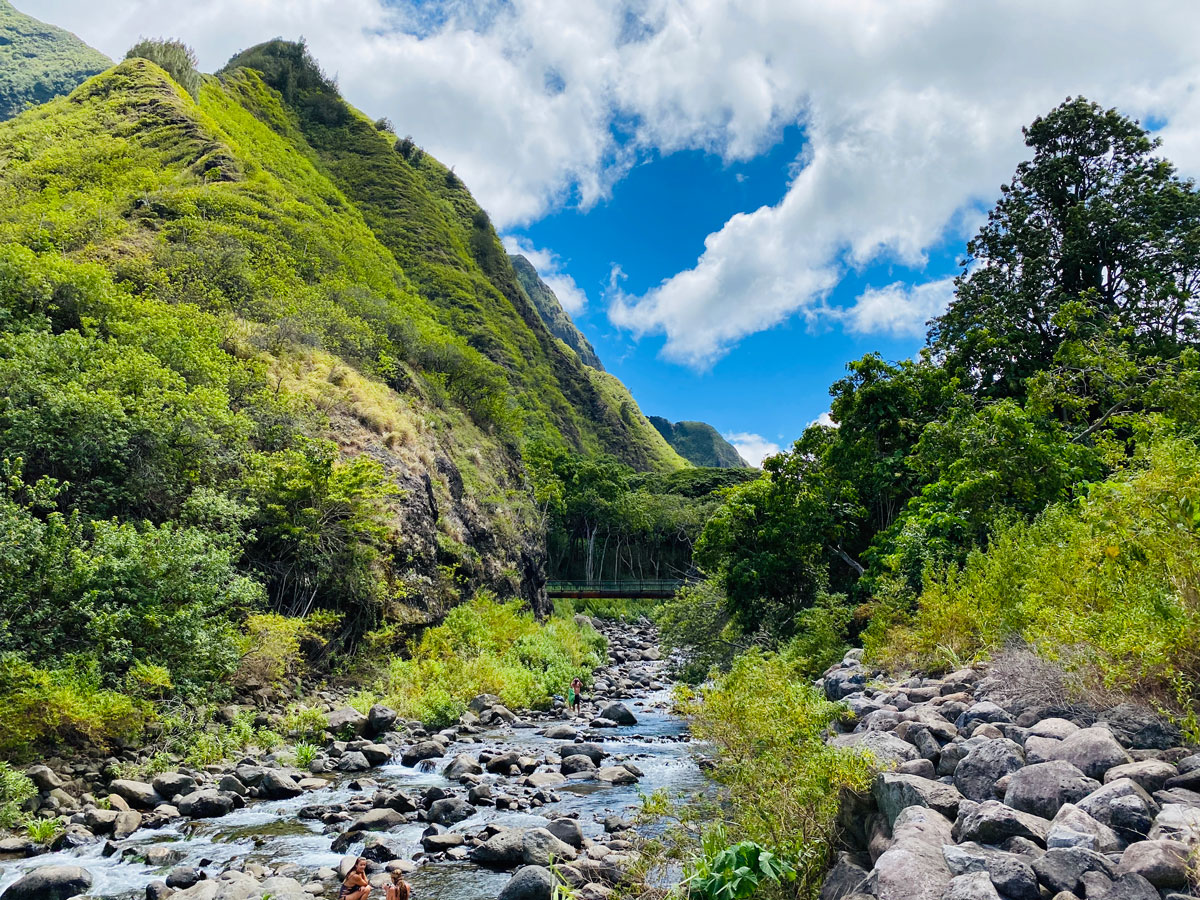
(657,587)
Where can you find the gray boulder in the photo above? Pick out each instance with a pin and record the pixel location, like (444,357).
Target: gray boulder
(846,878)
(1009,874)
(277,785)
(841,683)
(975,886)
(50,883)
(619,713)
(1043,788)
(205,804)
(1092,750)
(984,711)
(1151,774)
(540,780)
(449,811)
(1059,729)
(170,785)
(577,764)
(593,751)
(421,751)
(1177,822)
(1062,868)
(501,850)
(125,824)
(137,794)
(1162,863)
(43,778)
(1072,827)
(991,822)
(463,764)
(567,831)
(883,746)
(378,820)
(529,883)
(484,701)
(1124,807)
(346,721)
(539,847)
(893,793)
(984,765)
(616,775)
(380,719)
(1130,886)
(353,761)
(913,867)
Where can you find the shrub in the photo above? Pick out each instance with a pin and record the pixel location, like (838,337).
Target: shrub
(43,831)
(175,57)
(15,789)
(304,722)
(734,872)
(305,754)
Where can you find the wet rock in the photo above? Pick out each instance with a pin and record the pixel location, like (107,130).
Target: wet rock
(1062,868)
(441,842)
(530,883)
(50,883)
(1162,863)
(183,877)
(125,824)
(170,785)
(1092,750)
(353,762)
(158,890)
(450,811)
(894,793)
(463,764)
(1043,788)
(616,775)
(205,804)
(277,785)
(619,713)
(594,752)
(376,754)
(422,751)
(539,847)
(378,820)
(561,733)
(346,721)
(984,765)
(233,785)
(136,793)
(577,764)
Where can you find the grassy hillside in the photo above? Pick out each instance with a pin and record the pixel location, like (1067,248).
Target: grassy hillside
(699,443)
(39,62)
(552,313)
(267,378)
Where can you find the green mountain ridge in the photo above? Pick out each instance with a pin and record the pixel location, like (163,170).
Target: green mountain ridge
(39,62)
(699,443)
(552,313)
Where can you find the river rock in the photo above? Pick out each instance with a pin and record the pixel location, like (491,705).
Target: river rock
(50,883)
(893,793)
(380,719)
(170,785)
(616,775)
(593,751)
(483,702)
(125,824)
(1092,750)
(182,877)
(346,720)
(619,713)
(984,765)
(1072,827)
(205,804)
(43,778)
(577,764)
(1062,868)
(1124,807)
(449,811)
(137,793)
(463,764)
(976,886)
(567,831)
(421,751)
(376,754)
(353,761)
(539,847)
(991,822)
(1177,822)
(378,820)
(441,842)
(539,780)
(561,733)
(1163,863)
(913,867)
(529,883)
(277,785)
(1042,789)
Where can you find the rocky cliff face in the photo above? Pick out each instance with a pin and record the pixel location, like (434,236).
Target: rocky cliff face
(984,795)
(552,313)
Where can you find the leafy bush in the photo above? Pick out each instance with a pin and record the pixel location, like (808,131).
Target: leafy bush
(305,754)
(735,872)
(271,645)
(15,789)
(1107,586)
(304,723)
(43,831)
(781,782)
(176,57)
(488,647)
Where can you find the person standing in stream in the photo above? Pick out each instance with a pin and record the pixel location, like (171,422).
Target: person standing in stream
(573,695)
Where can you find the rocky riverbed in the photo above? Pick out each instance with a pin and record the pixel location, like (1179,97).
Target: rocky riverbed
(482,809)
(987,797)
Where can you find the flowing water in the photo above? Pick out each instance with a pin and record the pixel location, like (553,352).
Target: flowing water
(270,832)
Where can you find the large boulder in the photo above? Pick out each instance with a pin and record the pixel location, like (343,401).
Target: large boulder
(482,702)
(421,751)
(353,761)
(1151,774)
(1141,729)
(137,794)
(502,850)
(529,883)
(1062,868)
(277,785)
(1130,886)
(991,822)
(577,764)
(381,819)
(619,713)
(841,683)
(893,793)
(205,804)
(983,711)
(380,719)
(463,764)
(885,748)
(593,751)
(984,765)
(1092,750)
(1177,822)
(1043,788)
(125,824)
(913,867)
(346,721)
(1072,827)
(1124,807)
(1009,873)
(567,831)
(539,847)
(616,775)
(540,780)
(170,785)
(449,811)
(975,886)
(43,778)
(1162,863)
(846,878)
(50,883)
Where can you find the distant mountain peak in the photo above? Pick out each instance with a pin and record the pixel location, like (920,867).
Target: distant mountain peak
(552,313)
(699,443)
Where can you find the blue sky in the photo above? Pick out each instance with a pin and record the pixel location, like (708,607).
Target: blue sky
(773,383)
(785,184)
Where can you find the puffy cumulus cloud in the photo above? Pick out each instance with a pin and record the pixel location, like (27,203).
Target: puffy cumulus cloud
(825,420)
(911,112)
(899,310)
(550,268)
(754,448)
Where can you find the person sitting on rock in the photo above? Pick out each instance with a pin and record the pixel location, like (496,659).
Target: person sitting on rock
(573,695)
(399,889)
(356,886)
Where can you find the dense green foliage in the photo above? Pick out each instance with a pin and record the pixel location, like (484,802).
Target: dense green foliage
(552,313)
(1068,353)
(494,648)
(699,443)
(175,58)
(39,62)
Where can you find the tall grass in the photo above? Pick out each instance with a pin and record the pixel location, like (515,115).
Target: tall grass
(485,646)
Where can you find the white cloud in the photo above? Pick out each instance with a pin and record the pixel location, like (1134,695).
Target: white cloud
(754,448)
(824,419)
(550,268)
(899,310)
(911,112)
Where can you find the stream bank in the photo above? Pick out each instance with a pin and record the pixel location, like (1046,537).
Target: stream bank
(460,810)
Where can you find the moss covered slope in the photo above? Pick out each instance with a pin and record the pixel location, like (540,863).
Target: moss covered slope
(699,443)
(552,313)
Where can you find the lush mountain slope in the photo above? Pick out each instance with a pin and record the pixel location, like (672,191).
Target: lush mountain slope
(258,357)
(552,313)
(39,62)
(699,443)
